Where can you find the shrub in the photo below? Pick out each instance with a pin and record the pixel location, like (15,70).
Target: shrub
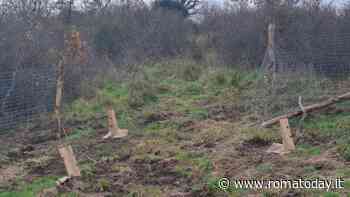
(140,93)
(344,150)
(191,72)
(236,79)
(192,89)
(219,79)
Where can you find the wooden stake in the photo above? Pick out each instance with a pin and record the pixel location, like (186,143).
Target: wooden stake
(288,143)
(113,129)
(70,162)
(269,62)
(58,101)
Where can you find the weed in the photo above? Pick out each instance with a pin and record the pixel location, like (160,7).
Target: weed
(343,148)
(309,169)
(265,168)
(190,89)
(104,185)
(183,171)
(88,171)
(236,79)
(199,114)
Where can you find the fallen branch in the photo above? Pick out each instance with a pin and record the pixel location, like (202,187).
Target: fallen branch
(308,109)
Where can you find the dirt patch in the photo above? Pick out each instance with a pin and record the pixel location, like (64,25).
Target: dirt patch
(223,112)
(9,173)
(160,116)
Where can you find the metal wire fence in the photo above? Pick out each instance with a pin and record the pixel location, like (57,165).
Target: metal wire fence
(314,66)
(26,93)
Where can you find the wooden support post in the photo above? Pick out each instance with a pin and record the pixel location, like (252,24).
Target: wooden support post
(269,62)
(288,143)
(113,129)
(58,100)
(70,162)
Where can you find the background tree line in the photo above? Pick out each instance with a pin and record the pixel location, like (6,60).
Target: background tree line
(129,32)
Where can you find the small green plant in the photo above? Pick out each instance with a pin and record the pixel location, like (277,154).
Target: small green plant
(264,168)
(219,79)
(236,79)
(104,185)
(344,150)
(309,169)
(193,88)
(183,171)
(199,114)
(88,171)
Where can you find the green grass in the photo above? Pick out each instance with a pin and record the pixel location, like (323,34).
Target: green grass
(199,161)
(330,127)
(344,173)
(308,150)
(79,133)
(30,190)
(330,194)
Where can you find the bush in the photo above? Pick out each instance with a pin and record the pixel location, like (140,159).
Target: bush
(141,92)
(344,150)
(192,88)
(220,79)
(190,72)
(236,79)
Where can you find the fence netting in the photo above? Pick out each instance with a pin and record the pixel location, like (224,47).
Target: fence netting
(310,63)
(25,94)
(310,66)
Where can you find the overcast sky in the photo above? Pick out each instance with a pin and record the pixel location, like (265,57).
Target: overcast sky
(337,2)
(220,2)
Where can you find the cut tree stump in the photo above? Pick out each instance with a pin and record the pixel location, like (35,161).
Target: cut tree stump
(288,143)
(113,129)
(309,108)
(70,162)
(276,148)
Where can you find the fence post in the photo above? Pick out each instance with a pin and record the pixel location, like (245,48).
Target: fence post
(269,62)
(58,99)
(65,151)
